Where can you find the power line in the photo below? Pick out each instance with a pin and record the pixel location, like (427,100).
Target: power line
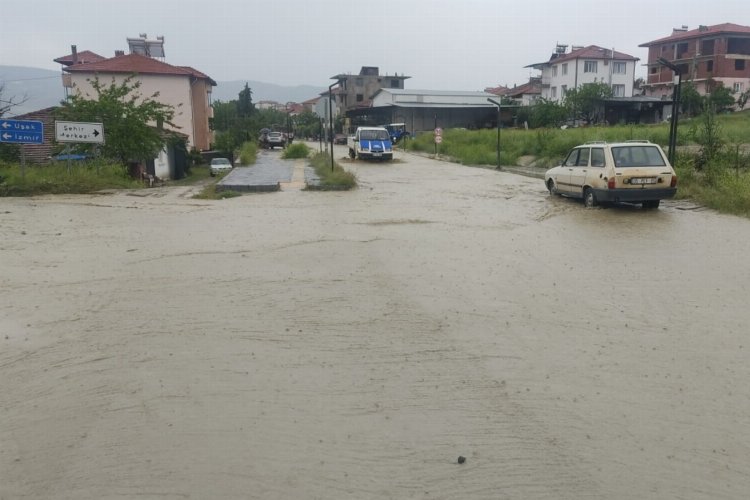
(29,79)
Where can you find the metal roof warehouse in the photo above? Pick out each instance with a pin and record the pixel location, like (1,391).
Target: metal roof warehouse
(423,110)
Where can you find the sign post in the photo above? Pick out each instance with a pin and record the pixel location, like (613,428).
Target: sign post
(79,132)
(22,132)
(87,132)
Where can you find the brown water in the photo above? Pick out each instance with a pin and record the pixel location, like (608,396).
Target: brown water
(355,344)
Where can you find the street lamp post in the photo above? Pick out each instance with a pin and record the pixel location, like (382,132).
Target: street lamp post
(675,108)
(289,124)
(499,106)
(330,118)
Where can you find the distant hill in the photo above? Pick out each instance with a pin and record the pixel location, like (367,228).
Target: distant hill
(43,88)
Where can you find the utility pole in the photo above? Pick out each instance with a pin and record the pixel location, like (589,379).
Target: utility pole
(675,108)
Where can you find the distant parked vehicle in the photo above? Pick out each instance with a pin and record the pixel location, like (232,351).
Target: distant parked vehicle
(220,166)
(397,131)
(276,139)
(339,139)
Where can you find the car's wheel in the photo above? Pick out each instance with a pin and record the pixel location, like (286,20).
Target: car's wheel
(551,187)
(589,198)
(352,154)
(651,204)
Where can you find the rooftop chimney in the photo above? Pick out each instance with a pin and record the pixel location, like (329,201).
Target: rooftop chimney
(119,53)
(74,51)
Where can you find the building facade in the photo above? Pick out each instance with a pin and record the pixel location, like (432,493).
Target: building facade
(707,56)
(569,70)
(356,91)
(424,110)
(184,88)
(527,94)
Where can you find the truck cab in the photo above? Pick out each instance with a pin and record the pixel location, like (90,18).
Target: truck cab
(371,143)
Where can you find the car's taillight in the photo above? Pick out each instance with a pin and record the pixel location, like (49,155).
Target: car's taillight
(674,181)
(611,183)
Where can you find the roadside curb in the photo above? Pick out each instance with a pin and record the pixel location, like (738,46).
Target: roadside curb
(535,172)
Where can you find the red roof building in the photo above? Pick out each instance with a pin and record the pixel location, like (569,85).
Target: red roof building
(583,65)
(707,56)
(84,57)
(184,88)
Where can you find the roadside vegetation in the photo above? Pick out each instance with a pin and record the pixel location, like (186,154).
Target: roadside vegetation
(88,177)
(211,193)
(296,150)
(338,178)
(248,153)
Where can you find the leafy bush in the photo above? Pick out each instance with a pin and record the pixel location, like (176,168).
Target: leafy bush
(296,150)
(248,153)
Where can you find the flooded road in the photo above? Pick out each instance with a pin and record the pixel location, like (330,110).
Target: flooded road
(355,344)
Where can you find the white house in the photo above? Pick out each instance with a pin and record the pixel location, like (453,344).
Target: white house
(185,88)
(569,70)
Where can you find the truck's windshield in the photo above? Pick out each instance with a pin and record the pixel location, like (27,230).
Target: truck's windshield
(374,135)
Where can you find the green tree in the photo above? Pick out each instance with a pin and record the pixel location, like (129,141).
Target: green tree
(127,116)
(245,106)
(225,115)
(546,113)
(721,99)
(709,137)
(583,102)
(742,99)
(307,124)
(691,102)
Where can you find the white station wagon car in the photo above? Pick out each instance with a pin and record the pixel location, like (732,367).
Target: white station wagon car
(626,172)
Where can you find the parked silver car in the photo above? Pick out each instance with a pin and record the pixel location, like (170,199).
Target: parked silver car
(220,166)
(276,139)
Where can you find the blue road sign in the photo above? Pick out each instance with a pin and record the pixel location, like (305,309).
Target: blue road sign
(21,131)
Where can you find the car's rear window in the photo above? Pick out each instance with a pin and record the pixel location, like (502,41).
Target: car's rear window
(637,156)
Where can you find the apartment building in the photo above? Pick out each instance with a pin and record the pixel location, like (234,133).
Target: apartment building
(707,56)
(592,64)
(356,91)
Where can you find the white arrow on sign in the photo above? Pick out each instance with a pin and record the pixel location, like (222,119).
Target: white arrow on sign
(5,125)
(7,136)
(79,132)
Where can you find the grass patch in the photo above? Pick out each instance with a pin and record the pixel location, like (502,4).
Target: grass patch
(727,191)
(83,178)
(337,178)
(198,174)
(296,150)
(248,153)
(211,193)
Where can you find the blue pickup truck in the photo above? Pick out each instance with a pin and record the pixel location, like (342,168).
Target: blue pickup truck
(371,143)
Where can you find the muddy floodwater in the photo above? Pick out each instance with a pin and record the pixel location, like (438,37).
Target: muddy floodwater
(352,345)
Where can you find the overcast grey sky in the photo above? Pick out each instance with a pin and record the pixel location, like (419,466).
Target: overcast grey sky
(442,45)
